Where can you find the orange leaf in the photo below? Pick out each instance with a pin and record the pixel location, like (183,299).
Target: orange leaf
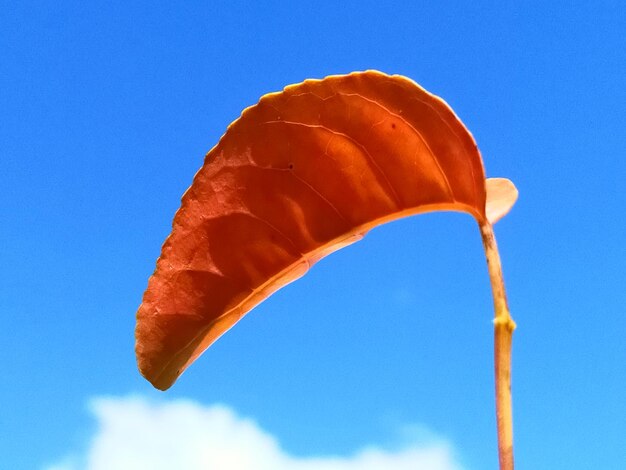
(304,172)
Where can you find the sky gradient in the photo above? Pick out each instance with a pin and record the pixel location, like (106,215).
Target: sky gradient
(106,113)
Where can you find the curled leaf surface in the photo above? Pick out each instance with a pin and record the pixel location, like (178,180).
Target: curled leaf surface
(299,175)
(501,196)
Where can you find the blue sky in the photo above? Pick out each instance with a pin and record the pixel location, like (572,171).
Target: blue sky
(385,347)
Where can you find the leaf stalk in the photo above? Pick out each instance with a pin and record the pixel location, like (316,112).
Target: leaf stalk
(503,335)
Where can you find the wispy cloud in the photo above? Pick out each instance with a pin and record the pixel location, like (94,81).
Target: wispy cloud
(134,433)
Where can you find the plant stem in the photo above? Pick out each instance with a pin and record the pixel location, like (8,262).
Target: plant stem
(503,326)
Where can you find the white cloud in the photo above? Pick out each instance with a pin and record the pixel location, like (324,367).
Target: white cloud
(136,434)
